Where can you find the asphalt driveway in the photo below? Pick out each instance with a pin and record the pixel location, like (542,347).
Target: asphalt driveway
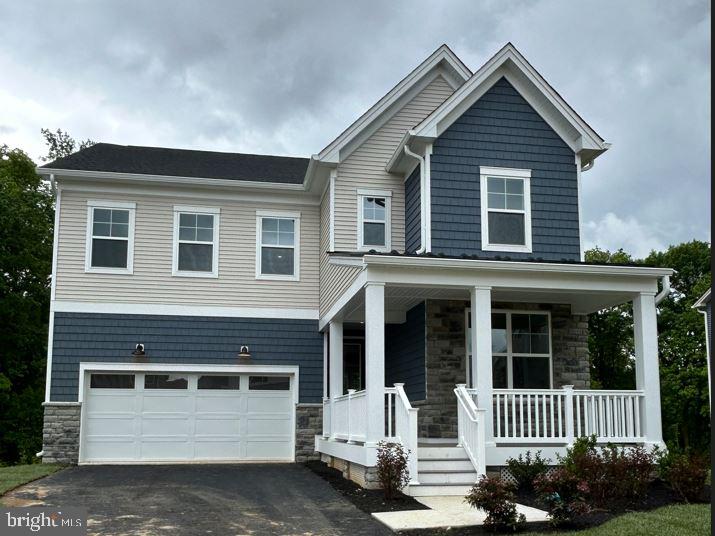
(182,500)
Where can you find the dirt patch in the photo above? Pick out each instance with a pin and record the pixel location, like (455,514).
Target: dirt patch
(367,500)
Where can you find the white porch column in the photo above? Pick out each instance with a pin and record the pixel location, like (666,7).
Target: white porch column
(645,336)
(482,355)
(336,359)
(375,361)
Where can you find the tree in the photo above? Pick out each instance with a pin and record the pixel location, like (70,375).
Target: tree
(681,343)
(26,229)
(610,335)
(61,144)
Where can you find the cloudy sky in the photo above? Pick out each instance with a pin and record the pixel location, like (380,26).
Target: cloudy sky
(287,77)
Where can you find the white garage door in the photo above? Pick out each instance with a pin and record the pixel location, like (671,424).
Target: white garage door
(155,416)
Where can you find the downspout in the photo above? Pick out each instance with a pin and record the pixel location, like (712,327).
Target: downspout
(665,291)
(423,205)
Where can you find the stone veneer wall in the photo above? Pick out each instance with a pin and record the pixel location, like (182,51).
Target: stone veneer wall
(308,424)
(60,433)
(446,358)
(365,477)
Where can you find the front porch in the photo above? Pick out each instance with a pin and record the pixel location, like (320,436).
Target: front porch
(527,386)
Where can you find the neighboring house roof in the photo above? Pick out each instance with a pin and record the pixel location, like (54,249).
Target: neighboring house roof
(131,159)
(702,303)
(510,64)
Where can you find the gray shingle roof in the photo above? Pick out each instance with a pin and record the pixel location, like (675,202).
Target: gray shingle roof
(185,163)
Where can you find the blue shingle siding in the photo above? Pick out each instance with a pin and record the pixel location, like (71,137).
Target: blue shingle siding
(412,212)
(85,337)
(502,130)
(405,353)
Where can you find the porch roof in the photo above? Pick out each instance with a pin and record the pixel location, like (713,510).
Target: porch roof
(409,280)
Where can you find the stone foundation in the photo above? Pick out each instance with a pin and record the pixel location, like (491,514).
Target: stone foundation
(445,362)
(365,477)
(60,432)
(308,424)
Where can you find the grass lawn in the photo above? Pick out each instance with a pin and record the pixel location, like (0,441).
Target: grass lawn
(675,520)
(16,475)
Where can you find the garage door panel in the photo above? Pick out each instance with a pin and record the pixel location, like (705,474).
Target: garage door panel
(116,402)
(218,427)
(138,424)
(269,404)
(268,449)
(112,426)
(163,449)
(167,403)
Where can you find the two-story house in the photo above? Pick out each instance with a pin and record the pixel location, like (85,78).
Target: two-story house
(421,279)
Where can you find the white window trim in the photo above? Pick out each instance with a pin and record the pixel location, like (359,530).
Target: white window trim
(120,205)
(508,173)
(188,209)
(509,353)
(387,196)
(281,214)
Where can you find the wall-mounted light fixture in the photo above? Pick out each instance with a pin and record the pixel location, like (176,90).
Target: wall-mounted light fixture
(139,351)
(244,355)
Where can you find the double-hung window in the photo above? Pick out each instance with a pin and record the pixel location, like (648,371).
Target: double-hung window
(278,245)
(374,209)
(506,209)
(110,237)
(521,349)
(196,241)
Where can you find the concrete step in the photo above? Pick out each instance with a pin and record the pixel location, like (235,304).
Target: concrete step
(444,465)
(467,478)
(431,490)
(441,453)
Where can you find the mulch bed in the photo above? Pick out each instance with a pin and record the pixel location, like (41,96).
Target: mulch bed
(659,494)
(367,500)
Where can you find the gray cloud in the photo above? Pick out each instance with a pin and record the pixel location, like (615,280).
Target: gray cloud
(287,77)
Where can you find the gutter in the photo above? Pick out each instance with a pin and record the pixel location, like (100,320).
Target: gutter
(423,195)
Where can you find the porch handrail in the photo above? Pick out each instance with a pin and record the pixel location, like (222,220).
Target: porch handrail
(345,416)
(401,424)
(560,415)
(471,428)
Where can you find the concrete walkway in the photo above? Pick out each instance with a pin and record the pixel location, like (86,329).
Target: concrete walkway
(446,512)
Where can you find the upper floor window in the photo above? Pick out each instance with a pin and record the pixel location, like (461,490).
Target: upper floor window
(374,209)
(110,237)
(506,209)
(196,241)
(277,245)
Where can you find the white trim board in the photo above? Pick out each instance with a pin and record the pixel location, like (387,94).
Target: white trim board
(65,306)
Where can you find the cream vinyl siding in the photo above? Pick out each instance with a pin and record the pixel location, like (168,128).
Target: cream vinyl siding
(152,282)
(365,168)
(334,280)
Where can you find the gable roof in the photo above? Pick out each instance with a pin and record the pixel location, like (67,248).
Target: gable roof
(160,161)
(509,63)
(442,60)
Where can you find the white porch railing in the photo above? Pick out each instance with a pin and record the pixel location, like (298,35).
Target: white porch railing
(346,416)
(470,429)
(559,415)
(401,424)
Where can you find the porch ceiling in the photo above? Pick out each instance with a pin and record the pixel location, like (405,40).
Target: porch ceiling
(399,299)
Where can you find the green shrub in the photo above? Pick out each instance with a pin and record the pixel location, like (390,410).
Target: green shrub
(564,495)
(526,468)
(392,468)
(617,477)
(496,498)
(686,473)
